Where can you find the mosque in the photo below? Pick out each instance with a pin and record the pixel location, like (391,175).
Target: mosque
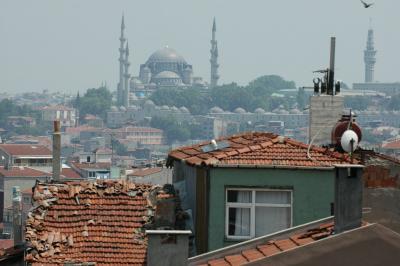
(164,68)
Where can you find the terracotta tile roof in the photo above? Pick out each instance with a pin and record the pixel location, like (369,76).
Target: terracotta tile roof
(394,145)
(145,172)
(69,173)
(92,165)
(25,150)
(27,191)
(57,108)
(6,243)
(101,222)
(273,247)
(22,172)
(256,148)
(138,129)
(9,252)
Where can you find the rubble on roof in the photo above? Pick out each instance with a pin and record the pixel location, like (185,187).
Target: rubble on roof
(102,222)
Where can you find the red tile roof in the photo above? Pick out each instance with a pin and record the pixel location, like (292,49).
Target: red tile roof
(273,247)
(262,149)
(146,172)
(101,222)
(22,172)
(92,165)
(69,173)
(6,243)
(393,145)
(25,150)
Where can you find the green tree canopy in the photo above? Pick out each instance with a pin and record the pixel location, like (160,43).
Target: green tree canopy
(95,101)
(173,130)
(228,96)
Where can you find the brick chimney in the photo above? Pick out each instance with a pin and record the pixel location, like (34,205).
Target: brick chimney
(167,247)
(17,218)
(56,151)
(348,197)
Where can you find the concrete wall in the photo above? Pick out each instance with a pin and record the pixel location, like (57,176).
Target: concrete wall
(160,178)
(313,193)
(184,179)
(382,205)
(325,111)
(22,182)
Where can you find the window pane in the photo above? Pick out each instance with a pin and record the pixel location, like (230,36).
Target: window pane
(271,219)
(273,197)
(239,222)
(241,196)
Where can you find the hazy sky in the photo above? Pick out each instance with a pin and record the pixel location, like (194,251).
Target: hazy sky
(73,44)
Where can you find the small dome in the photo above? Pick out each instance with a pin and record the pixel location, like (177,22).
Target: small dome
(122,108)
(164,107)
(216,110)
(114,109)
(149,103)
(183,109)
(239,110)
(166,75)
(295,111)
(174,108)
(259,111)
(135,80)
(165,55)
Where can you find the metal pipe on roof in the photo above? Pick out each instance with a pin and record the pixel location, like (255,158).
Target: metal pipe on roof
(56,151)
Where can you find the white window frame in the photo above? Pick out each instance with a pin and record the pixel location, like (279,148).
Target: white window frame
(252,207)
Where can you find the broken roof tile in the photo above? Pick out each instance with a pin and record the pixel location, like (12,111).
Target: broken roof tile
(101,222)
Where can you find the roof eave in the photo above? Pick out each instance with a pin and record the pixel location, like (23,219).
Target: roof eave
(268,166)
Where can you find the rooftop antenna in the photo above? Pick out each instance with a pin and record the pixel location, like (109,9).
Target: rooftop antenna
(331,72)
(327,85)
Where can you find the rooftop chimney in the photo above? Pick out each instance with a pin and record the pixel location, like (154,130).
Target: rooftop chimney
(17,222)
(56,151)
(167,247)
(348,197)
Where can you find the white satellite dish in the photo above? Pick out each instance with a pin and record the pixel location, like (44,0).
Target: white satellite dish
(349,141)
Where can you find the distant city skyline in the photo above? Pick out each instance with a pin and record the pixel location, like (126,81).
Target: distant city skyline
(73,45)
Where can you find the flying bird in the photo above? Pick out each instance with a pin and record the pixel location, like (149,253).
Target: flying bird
(366,5)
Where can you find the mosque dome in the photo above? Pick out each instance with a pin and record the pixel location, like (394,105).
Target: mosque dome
(294,111)
(114,108)
(167,75)
(165,55)
(183,109)
(239,110)
(149,103)
(259,111)
(174,108)
(165,107)
(216,110)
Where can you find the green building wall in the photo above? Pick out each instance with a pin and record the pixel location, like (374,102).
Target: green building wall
(313,193)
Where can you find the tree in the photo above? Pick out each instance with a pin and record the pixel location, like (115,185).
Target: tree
(118,148)
(95,101)
(272,83)
(173,130)
(301,99)
(394,103)
(191,98)
(357,102)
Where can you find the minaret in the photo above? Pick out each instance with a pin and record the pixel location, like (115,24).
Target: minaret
(121,88)
(369,57)
(214,58)
(126,77)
